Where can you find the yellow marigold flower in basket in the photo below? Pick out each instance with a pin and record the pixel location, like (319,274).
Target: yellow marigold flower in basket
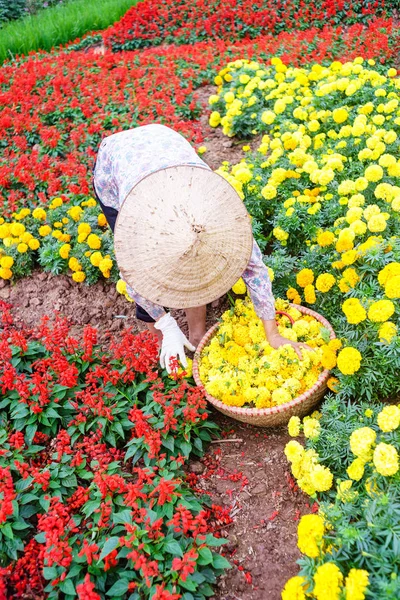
(386,459)
(239,287)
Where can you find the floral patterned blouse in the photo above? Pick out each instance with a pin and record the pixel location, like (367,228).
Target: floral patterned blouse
(125,158)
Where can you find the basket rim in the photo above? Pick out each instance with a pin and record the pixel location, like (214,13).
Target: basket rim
(257,412)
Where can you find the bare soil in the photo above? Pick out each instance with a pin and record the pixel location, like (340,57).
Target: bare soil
(248,476)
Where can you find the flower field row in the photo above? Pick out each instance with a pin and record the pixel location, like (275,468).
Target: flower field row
(94,499)
(152,23)
(351,547)
(50,141)
(323,191)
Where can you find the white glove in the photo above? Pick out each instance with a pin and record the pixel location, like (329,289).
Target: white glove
(173,342)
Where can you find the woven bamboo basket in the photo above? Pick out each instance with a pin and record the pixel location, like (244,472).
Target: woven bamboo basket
(276,415)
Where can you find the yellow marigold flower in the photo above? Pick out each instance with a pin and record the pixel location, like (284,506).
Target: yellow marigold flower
(121,286)
(17,229)
(321,478)
(96,258)
(361,441)
(39,214)
(311,428)
(101,220)
(381,311)
(75,212)
(369,413)
(280,234)
(356,469)
(328,581)
(56,203)
(6,262)
(294,589)
(333,383)
(293,295)
(340,115)
(354,311)
(79,276)
(310,534)
(392,287)
(335,344)
(390,270)
(373,173)
(309,294)
(304,277)
(281,396)
(93,241)
(34,244)
(389,418)
(22,248)
(74,264)
(215,119)
(328,358)
(294,426)
(105,265)
(293,450)
(269,192)
(44,230)
(326,238)
(325,282)
(387,331)
(386,459)
(349,257)
(84,229)
(356,583)
(64,251)
(377,223)
(349,360)
(239,287)
(351,276)
(5,273)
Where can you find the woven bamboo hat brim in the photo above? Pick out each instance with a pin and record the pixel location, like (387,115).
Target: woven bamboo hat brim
(183,237)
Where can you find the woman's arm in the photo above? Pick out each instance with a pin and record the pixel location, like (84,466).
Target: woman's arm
(257,280)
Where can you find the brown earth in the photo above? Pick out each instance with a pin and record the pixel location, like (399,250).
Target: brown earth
(250,476)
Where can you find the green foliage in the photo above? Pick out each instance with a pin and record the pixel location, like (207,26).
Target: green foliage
(58,25)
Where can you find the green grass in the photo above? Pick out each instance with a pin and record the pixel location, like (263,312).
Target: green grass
(59,25)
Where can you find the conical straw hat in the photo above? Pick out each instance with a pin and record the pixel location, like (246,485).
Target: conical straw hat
(183,237)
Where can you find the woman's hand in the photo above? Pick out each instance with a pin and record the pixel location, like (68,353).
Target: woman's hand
(276,340)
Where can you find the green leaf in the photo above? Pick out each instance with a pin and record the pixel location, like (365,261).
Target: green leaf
(186,448)
(50,573)
(119,588)
(7,531)
(123,517)
(173,547)
(25,498)
(220,562)
(67,587)
(30,433)
(109,546)
(188,584)
(205,556)
(213,541)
